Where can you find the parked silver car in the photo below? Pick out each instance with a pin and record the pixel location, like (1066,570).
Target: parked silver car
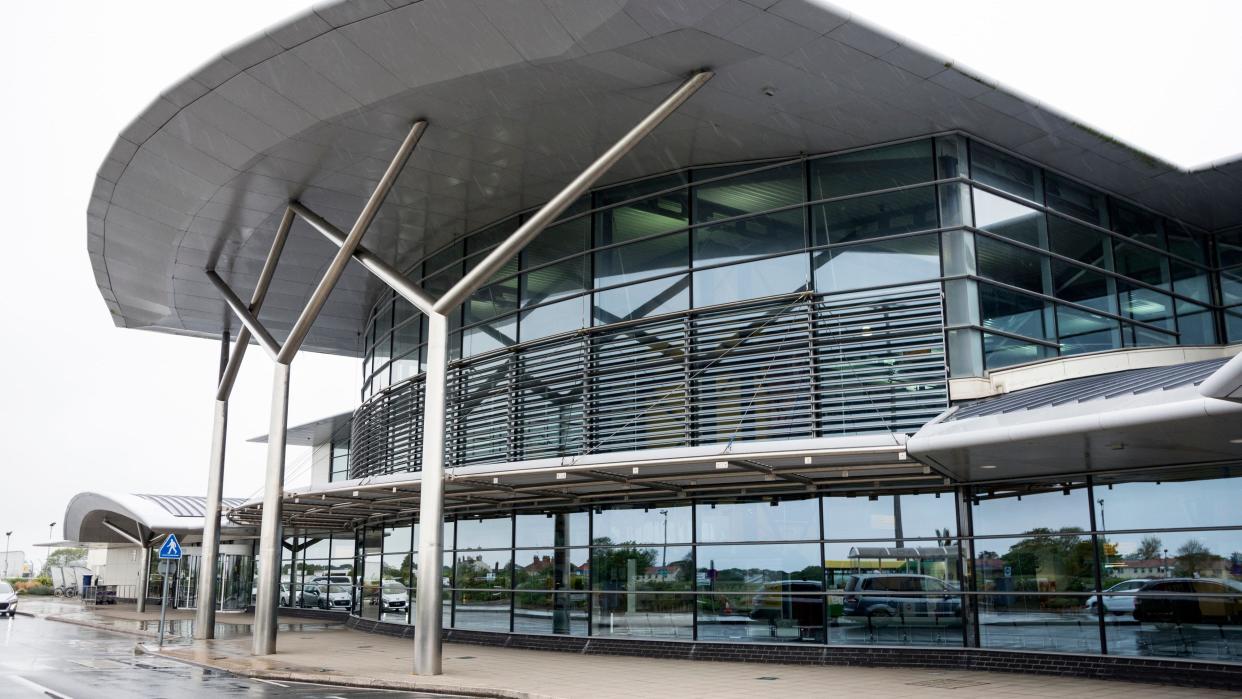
(1119,599)
(8,600)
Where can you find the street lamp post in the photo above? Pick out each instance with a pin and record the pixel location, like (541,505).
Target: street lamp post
(50,528)
(664,564)
(6,552)
(1103,522)
(1166,563)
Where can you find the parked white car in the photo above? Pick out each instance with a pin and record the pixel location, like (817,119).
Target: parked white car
(1119,599)
(8,600)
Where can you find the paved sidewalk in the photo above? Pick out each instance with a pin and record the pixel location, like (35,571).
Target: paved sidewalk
(344,656)
(122,618)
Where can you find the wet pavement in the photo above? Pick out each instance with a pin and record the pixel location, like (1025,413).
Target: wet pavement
(42,658)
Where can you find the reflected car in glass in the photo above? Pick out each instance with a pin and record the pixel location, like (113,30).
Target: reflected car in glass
(1190,601)
(326,596)
(797,603)
(392,597)
(1118,599)
(917,596)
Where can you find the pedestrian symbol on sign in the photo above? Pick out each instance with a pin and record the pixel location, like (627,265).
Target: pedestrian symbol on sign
(171,548)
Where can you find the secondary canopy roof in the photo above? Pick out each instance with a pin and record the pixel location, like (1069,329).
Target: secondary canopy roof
(520,96)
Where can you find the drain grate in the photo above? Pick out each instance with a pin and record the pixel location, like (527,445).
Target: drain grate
(464,657)
(767,678)
(947,683)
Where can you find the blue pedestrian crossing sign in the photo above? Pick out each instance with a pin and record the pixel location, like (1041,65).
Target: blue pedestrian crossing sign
(171,548)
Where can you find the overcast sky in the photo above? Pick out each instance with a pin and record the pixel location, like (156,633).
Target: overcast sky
(87,406)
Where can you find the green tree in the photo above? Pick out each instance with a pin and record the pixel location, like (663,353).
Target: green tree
(1192,557)
(1149,548)
(1062,558)
(63,557)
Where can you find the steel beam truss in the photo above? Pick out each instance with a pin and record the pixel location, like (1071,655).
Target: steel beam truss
(282,354)
(427,653)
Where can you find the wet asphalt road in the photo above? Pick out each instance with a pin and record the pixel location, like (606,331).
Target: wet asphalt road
(41,659)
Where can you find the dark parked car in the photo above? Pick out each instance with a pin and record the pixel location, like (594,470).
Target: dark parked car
(919,596)
(1170,606)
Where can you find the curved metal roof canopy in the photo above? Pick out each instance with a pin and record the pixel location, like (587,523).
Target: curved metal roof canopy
(520,96)
(97,517)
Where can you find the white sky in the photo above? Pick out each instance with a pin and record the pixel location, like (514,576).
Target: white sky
(86,406)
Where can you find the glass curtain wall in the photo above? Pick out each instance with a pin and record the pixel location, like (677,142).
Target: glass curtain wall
(1229,257)
(1061,268)
(1081,566)
(317,571)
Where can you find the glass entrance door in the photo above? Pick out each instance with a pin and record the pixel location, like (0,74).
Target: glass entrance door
(185,583)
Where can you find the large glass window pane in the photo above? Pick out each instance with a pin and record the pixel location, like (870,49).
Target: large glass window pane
(890,517)
(554,318)
(742,239)
(557,529)
(491,533)
(1196,324)
(894,595)
(1051,622)
(488,336)
(1028,512)
(1015,313)
(554,282)
(897,261)
(1188,243)
(481,610)
(1140,263)
(653,525)
(1197,503)
(642,300)
(659,616)
(767,277)
(1004,172)
(750,193)
(547,612)
(631,263)
(1194,619)
(1077,242)
(1143,304)
(1191,281)
(874,216)
(1000,351)
(1010,264)
(1229,248)
(760,592)
(1080,331)
(777,520)
(658,214)
(1139,225)
(1008,218)
(1075,199)
(872,169)
(1082,286)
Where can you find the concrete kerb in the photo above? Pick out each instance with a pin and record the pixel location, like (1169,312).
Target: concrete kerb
(98,626)
(412,685)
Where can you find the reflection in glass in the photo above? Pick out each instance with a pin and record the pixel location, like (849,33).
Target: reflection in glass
(769,592)
(750,193)
(1015,313)
(872,169)
(897,261)
(876,215)
(1082,286)
(1005,173)
(766,277)
(1010,264)
(1077,200)
(1008,218)
(777,520)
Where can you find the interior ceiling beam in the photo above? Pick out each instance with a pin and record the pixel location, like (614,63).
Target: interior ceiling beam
(483,486)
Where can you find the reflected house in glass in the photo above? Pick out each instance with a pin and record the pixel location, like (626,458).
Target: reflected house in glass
(854,350)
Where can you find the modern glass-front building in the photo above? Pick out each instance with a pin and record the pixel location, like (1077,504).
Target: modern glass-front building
(858,350)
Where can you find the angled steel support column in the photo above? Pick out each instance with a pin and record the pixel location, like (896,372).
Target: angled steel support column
(428,633)
(144,578)
(230,364)
(270,533)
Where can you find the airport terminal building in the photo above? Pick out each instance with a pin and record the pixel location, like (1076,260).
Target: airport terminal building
(851,355)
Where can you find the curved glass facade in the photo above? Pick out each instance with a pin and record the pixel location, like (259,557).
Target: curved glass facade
(1015,566)
(1053,266)
(811,297)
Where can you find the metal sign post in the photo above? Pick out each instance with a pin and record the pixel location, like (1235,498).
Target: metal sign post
(169,553)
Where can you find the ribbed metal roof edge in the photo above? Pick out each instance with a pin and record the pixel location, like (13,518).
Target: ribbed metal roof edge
(1088,388)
